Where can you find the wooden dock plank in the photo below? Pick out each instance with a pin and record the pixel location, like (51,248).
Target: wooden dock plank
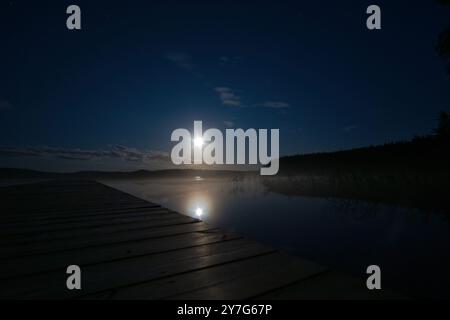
(254,284)
(94,230)
(30,249)
(329,285)
(184,284)
(49,198)
(84,222)
(82,257)
(67,209)
(86,215)
(120,273)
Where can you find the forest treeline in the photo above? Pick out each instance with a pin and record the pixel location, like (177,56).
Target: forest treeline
(413,173)
(425,153)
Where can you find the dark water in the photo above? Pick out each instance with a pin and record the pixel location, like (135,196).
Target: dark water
(412,248)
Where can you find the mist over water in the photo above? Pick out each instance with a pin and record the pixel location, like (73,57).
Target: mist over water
(411,247)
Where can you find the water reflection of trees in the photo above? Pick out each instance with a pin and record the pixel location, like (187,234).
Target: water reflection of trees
(356,210)
(348,204)
(245,184)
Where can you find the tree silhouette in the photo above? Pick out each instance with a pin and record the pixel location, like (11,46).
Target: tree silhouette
(443,46)
(443,130)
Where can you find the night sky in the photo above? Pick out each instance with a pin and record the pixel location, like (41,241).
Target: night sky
(109,96)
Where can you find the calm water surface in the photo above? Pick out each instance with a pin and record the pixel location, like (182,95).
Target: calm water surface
(411,247)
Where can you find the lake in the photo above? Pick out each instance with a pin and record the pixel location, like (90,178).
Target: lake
(411,247)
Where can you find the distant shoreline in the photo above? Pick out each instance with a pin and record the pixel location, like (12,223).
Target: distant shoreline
(17,173)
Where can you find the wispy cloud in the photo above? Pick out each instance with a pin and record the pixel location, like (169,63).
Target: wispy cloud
(228,97)
(231,99)
(350,128)
(181,59)
(5,105)
(116,152)
(273,104)
(228,124)
(226,61)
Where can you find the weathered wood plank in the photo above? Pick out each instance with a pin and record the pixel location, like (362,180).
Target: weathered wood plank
(94,230)
(170,287)
(330,285)
(66,216)
(120,273)
(67,209)
(87,222)
(51,197)
(30,249)
(290,271)
(37,264)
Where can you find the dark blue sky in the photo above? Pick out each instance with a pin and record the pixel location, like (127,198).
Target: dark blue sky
(140,69)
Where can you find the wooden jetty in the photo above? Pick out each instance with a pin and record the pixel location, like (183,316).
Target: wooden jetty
(128,248)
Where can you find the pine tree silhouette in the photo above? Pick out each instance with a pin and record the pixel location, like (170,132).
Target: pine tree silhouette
(442,132)
(443,46)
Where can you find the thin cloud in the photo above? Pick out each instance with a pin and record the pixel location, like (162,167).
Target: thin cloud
(273,105)
(5,105)
(349,128)
(228,124)
(226,61)
(181,59)
(228,97)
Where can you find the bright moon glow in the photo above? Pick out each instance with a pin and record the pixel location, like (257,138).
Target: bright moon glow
(198,141)
(199,212)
